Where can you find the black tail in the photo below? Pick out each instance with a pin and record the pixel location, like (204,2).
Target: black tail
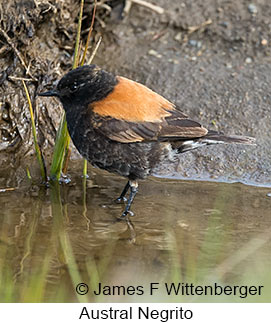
(214,137)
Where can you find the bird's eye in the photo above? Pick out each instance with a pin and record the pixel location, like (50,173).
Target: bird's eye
(73,87)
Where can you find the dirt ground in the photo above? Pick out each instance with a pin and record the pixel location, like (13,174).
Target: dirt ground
(210,57)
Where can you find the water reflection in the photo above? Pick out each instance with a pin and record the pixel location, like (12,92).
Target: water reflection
(52,239)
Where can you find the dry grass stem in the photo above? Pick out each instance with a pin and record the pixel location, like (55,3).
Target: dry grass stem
(145,4)
(89,34)
(192,29)
(95,50)
(17,78)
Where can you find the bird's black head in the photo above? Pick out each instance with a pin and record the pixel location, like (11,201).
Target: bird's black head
(82,86)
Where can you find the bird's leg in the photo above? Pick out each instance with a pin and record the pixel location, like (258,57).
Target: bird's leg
(123,193)
(133,190)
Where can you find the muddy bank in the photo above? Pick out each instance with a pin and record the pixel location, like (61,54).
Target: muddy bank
(212,58)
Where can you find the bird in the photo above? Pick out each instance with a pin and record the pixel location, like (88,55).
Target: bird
(124,127)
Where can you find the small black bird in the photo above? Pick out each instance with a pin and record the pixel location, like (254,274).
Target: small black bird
(124,127)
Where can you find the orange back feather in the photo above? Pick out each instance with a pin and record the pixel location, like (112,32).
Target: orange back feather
(132,101)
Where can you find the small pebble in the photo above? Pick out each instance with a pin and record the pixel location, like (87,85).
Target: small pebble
(174,61)
(268,194)
(264,42)
(153,52)
(199,44)
(225,24)
(195,43)
(178,37)
(248,60)
(252,8)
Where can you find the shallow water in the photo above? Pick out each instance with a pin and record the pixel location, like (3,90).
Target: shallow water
(183,231)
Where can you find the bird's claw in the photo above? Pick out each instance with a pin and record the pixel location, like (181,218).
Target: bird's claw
(120,199)
(125,213)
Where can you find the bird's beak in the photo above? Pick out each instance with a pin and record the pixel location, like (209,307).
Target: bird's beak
(49,93)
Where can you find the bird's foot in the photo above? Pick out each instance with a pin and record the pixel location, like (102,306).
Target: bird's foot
(64,178)
(120,199)
(125,213)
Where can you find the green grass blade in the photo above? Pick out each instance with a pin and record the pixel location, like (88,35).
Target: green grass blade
(77,42)
(28,174)
(63,139)
(85,169)
(37,148)
(61,144)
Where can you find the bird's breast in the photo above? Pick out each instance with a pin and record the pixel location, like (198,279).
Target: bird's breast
(132,160)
